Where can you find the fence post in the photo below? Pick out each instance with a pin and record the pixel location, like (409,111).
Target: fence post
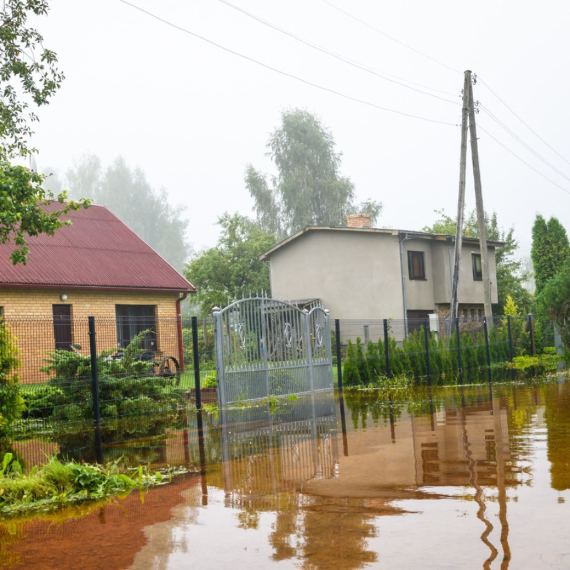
(94,372)
(510,344)
(309,348)
(219,350)
(197,386)
(338,352)
(386,348)
(487,349)
(426,338)
(458,341)
(531,335)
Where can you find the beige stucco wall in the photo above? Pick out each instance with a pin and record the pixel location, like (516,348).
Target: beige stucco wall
(352,273)
(28,312)
(357,275)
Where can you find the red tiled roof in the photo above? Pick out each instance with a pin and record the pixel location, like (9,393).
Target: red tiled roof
(96,251)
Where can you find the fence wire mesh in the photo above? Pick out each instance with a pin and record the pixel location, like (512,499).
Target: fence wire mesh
(434,349)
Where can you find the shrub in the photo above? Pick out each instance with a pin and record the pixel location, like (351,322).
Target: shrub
(11,401)
(350,371)
(125,386)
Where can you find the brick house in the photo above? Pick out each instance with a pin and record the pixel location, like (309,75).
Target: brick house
(95,267)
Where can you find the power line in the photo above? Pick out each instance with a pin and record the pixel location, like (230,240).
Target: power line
(523,122)
(348,61)
(523,143)
(522,160)
(284,73)
(390,37)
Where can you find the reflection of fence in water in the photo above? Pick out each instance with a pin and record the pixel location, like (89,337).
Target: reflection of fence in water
(278,458)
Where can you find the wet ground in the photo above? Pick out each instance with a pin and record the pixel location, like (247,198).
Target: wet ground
(449,478)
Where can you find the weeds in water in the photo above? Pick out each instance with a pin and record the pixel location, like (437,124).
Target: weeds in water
(59,484)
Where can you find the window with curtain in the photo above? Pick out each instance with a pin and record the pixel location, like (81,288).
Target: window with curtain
(477,267)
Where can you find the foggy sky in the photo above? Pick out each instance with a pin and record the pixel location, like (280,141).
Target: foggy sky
(192,116)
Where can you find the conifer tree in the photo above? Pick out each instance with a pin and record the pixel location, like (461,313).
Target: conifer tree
(550,249)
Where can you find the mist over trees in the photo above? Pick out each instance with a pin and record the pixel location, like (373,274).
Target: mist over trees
(308,189)
(128,194)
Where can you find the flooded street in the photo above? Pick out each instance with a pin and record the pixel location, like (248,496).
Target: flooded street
(413,478)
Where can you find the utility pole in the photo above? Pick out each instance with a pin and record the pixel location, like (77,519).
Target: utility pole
(461,201)
(480,209)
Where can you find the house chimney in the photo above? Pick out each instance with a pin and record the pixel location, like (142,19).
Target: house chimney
(358,220)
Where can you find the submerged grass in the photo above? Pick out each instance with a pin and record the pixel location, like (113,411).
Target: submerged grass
(58,484)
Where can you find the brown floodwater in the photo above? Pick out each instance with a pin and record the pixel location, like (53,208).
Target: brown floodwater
(448,478)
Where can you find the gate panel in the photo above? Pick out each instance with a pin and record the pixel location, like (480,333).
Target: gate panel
(269,347)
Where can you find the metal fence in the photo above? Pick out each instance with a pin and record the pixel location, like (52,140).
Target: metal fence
(369,350)
(268,347)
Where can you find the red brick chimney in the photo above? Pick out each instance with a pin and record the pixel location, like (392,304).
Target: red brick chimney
(358,220)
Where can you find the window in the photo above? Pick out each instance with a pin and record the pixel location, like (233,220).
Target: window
(416,266)
(133,319)
(477,267)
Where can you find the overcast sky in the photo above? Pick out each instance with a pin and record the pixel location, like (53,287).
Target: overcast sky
(192,116)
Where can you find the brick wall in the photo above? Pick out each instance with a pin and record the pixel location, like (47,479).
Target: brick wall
(28,312)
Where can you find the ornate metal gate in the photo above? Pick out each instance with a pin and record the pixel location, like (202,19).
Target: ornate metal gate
(268,347)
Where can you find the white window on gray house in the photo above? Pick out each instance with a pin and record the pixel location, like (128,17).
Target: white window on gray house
(416,265)
(477,267)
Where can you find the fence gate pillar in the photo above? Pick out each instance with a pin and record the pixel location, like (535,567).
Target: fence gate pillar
(219,343)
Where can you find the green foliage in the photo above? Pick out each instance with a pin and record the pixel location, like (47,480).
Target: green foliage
(554,301)
(308,189)
(510,274)
(28,73)
(11,401)
(232,269)
(126,386)
(550,249)
(59,484)
(350,370)
(129,195)
(28,78)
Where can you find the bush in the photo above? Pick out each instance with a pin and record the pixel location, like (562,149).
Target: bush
(125,386)
(11,401)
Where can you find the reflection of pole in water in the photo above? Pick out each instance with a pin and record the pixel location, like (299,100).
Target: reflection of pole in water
(472,466)
(500,460)
(98,444)
(431,412)
(392,427)
(514,396)
(202,451)
(343,423)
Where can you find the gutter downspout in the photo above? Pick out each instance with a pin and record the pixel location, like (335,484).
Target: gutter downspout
(179,331)
(403,273)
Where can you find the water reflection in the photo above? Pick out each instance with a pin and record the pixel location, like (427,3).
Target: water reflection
(410,478)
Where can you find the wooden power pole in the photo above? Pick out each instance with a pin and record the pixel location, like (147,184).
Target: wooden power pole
(461,201)
(480,209)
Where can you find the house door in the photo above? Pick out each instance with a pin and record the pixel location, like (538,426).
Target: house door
(62,326)
(416,320)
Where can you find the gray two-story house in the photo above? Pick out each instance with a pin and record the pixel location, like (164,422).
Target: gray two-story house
(359,272)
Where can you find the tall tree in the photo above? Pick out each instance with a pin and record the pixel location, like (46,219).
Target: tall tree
(308,188)
(29,77)
(231,269)
(550,249)
(510,275)
(127,193)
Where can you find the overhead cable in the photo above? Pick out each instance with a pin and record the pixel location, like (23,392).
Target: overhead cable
(522,160)
(358,65)
(284,73)
(390,37)
(523,122)
(523,143)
